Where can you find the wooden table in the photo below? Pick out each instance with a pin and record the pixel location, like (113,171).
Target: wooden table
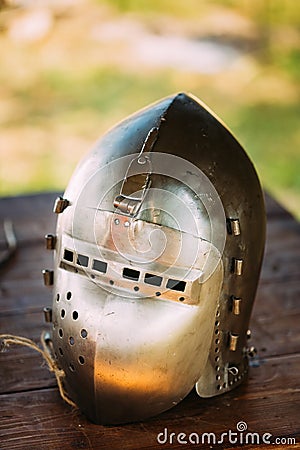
(33,416)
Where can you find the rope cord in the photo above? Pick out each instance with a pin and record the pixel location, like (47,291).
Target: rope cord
(10,339)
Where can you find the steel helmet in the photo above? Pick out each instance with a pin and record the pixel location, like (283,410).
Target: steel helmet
(159,243)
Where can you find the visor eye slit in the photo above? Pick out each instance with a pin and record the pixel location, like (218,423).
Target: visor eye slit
(154,280)
(82,260)
(68,255)
(176,285)
(131,274)
(100,266)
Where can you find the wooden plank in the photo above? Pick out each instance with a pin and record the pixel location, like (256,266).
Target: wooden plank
(21,286)
(33,415)
(282,255)
(275,322)
(32,216)
(268,403)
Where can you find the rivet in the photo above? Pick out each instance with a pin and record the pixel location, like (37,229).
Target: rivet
(48,276)
(237,266)
(252,351)
(233,340)
(48,314)
(234,227)
(60,205)
(236,305)
(50,241)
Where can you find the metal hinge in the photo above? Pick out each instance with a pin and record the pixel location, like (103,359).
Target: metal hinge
(137,180)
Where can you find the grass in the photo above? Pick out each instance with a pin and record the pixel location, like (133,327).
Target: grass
(272,139)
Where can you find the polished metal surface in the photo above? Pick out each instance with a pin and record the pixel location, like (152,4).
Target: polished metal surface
(153,286)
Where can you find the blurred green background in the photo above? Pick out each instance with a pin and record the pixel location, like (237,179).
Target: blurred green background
(70,69)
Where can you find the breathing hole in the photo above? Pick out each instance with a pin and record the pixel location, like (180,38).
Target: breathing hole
(62,313)
(111,282)
(181,299)
(81,359)
(61,352)
(69,295)
(71,340)
(71,367)
(157,294)
(57,297)
(75,315)
(83,333)
(131,274)
(60,332)
(136,288)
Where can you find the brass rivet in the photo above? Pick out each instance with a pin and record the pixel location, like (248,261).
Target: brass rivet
(48,276)
(50,241)
(237,266)
(60,205)
(236,305)
(233,227)
(233,340)
(48,314)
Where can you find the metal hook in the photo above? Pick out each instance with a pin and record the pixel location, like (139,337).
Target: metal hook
(136,183)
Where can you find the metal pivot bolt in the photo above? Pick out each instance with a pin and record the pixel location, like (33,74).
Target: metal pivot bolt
(233,340)
(50,241)
(237,266)
(60,205)
(236,305)
(48,277)
(48,314)
(251,351)
(233,227)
